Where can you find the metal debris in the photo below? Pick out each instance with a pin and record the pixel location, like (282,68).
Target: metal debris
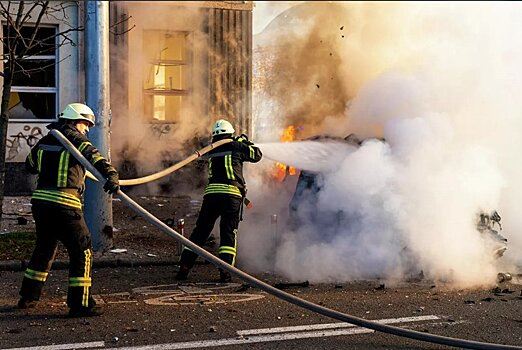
(503,277)
(118,250)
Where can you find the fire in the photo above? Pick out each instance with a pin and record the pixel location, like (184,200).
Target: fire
(282,170)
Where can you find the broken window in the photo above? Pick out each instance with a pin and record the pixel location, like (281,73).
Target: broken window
(34,92)
(166,75)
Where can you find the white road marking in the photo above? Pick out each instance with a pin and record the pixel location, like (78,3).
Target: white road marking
(278,337)
(331,325)
(250,340)
(95,344)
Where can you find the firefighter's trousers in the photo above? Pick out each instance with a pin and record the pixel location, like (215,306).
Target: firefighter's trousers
(227,207)
(68,226)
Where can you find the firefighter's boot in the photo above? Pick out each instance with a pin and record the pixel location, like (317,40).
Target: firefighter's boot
(224,276)
(86,311)
(183,272)
(24,303)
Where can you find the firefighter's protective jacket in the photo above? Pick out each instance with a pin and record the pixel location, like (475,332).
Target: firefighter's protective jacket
(225,166)
(61,178)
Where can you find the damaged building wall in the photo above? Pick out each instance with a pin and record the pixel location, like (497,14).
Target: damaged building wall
(213,80)
(180,67)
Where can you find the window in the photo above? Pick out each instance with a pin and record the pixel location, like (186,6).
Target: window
(166,75)
(34,92)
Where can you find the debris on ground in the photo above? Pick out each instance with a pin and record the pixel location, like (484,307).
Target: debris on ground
(21,220)
(284,285)
(118,250)
(212,329)
(469,302)
(496,290)
(503,277)
(152,255)
(382,286)
(243,288)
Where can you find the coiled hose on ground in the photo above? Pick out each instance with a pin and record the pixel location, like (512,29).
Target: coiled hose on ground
(407,333)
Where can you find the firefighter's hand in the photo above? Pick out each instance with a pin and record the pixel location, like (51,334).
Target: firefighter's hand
(244,139)
(111,187)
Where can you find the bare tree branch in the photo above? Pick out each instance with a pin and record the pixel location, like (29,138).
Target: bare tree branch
(28,14)
(38,69)
(125,19)
(20,13)
(125,31)
(37,25)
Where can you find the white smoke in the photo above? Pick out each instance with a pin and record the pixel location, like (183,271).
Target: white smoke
(444,97)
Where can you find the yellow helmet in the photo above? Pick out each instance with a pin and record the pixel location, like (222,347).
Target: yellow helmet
(222,127)
(78,111)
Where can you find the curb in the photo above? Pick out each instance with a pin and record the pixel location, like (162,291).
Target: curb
(21,265)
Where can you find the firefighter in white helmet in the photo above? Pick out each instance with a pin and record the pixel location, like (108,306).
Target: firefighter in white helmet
(57,209)
(224,197)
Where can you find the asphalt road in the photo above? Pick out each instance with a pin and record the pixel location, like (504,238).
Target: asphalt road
(145,306)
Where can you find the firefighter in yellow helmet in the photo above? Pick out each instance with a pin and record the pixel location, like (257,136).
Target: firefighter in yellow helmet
(224,196)
(57,210)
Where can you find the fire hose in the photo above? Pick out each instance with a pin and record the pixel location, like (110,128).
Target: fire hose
(169,170)
(407,333)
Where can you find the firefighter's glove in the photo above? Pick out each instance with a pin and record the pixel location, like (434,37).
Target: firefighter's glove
(112,185)
(244,139)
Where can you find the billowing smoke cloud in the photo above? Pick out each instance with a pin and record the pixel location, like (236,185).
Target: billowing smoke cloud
(439,83)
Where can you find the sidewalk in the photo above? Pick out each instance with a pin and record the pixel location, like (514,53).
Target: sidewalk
(144,245)
(61,264)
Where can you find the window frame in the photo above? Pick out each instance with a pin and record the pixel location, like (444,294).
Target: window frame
(188,62)
(42,89)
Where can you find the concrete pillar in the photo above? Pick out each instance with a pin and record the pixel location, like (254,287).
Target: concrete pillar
(98,205)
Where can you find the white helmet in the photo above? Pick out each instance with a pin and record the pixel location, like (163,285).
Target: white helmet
(222,127)
(78,111)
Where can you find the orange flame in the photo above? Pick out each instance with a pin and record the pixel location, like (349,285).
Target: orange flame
(282,170)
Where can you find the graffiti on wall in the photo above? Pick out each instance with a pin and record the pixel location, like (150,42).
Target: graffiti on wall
(159,130)
(20,139)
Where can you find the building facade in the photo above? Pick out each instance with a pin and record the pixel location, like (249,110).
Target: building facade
(175,68)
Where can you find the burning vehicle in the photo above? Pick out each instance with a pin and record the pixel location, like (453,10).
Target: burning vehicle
(304,209)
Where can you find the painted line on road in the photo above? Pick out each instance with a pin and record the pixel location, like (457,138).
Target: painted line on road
(336,325)
(277,337)
(250,340)
(94,344)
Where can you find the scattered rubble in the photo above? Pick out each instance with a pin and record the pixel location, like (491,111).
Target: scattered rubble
(118,251)
(21,220)
(381,286)
(285,285)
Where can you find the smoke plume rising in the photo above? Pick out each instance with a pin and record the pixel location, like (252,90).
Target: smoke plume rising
(439,83)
